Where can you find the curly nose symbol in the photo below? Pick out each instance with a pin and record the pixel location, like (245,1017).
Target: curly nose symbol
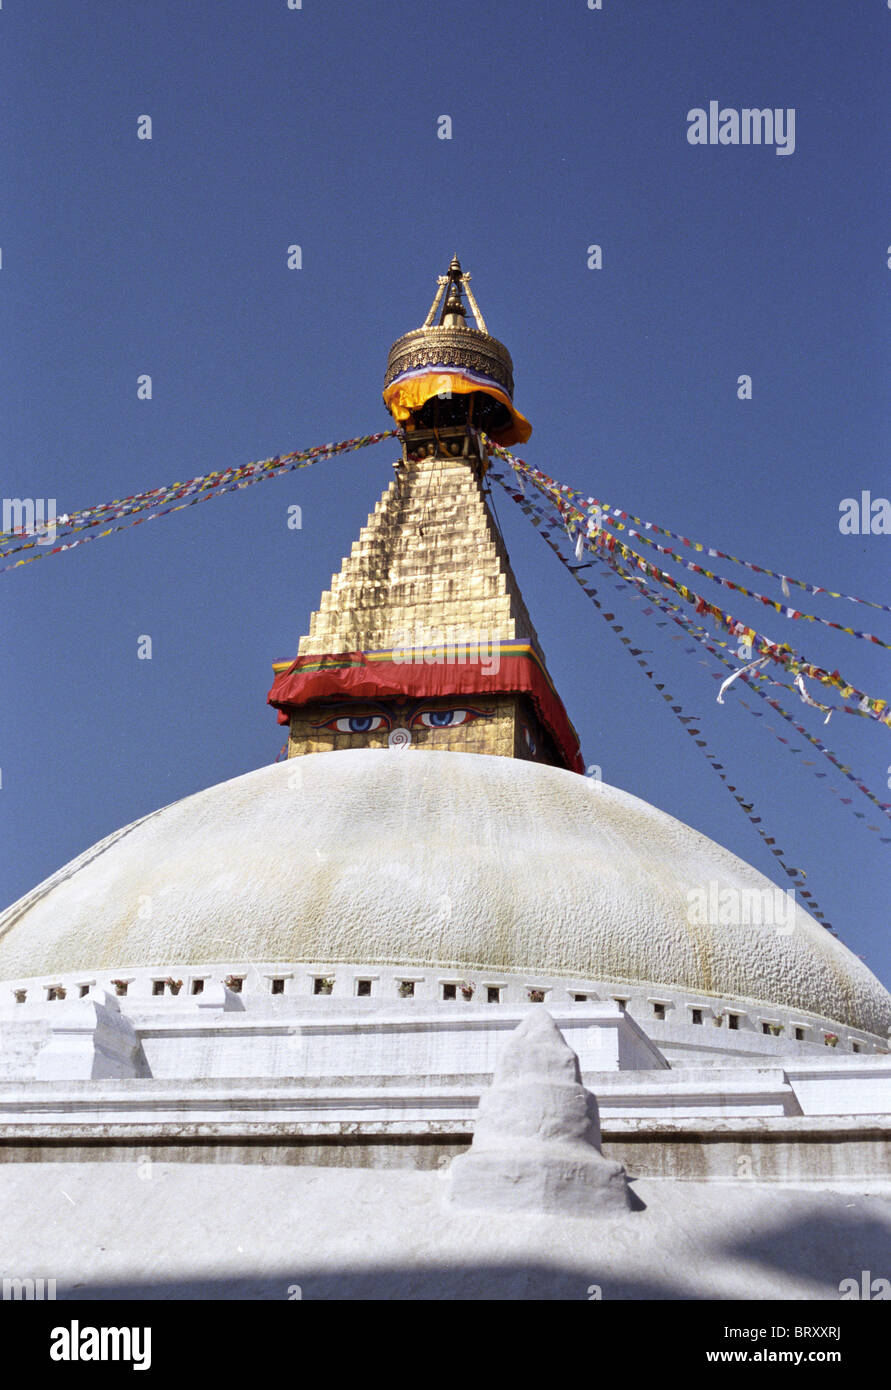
(399,738)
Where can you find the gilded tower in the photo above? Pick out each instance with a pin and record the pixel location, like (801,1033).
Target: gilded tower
(423,639)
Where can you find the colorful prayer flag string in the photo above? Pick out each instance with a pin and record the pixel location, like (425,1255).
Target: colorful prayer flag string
(699,546)
(198,489)
(783,609)
(747,806)
(869,706)
(678,616)
(699,635)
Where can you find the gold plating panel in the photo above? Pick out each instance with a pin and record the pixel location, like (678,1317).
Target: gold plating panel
(501,726)
(429,570)
(428,567)
(492,729)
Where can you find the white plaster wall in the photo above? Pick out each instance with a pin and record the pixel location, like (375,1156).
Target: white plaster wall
(174,1109)
(476,864)
(821,1088)
(179,1040)
(255,1231)
(437,1041)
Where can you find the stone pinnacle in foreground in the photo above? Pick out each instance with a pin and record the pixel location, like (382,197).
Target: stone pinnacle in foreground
(536,1146)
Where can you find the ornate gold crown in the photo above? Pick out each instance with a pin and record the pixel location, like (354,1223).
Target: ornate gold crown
(451,342)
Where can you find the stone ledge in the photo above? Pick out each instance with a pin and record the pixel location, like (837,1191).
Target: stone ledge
(795,1151)
(766,1129)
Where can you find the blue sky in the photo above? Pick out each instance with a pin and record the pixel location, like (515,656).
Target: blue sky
(318,127)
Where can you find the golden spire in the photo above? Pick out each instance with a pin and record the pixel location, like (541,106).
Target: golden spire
(453,363)
(423,639)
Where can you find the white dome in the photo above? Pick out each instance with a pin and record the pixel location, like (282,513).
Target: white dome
(428,859)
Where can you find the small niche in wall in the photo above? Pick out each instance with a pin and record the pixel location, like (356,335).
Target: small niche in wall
(83,991)
(20,995)
(659,1010)
(197,986)
(695,1015)
(278,985)
(733,1022)
(799,1035)
(363,988)
(493,994)
(405,989)
(450,991)
(158,986)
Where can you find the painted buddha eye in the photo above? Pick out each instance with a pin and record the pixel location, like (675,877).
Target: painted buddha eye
(357,723)
(445,718)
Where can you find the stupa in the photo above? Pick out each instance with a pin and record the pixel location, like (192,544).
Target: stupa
(316,966)
(423,638)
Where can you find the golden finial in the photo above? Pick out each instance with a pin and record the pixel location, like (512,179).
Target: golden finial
(447,357)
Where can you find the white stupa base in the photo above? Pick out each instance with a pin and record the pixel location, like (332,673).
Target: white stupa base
(542,1178)
(536,1146)
(92,1042)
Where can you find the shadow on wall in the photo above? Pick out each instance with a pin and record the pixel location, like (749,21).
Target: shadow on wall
(831,1248)
(476,1282)
(826,1248)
